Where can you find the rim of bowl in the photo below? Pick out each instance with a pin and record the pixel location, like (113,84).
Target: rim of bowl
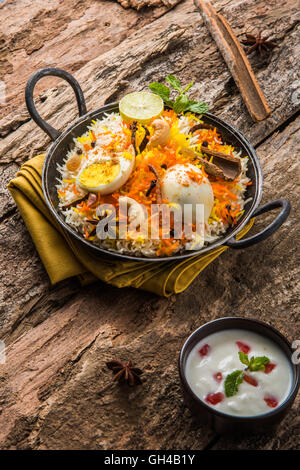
(295,374)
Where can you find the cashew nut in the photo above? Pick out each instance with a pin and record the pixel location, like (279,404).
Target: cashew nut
(161,133)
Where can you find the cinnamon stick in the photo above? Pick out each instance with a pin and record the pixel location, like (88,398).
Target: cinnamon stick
(236,61)
(158,185)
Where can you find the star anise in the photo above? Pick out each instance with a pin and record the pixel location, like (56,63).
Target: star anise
(258,43)
(125,372)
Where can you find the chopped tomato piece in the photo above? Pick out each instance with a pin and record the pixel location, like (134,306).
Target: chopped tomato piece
(250,380)
(218,377)
(271,401)
(214,398)
(204,350)
(243,347)
(269,367)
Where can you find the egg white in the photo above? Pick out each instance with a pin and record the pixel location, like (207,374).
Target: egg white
(188,193)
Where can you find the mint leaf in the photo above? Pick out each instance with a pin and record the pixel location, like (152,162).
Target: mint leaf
(188,87)
(174,82)
(192,102)
(244,358)
(163,91)
(232,382)
(258,363)
(255,363)
(180,103)
(199,108)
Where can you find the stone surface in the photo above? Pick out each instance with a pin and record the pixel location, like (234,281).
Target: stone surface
(55,391)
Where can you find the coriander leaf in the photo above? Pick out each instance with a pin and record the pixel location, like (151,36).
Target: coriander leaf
(232,382)
(163,91)
(258,363)
(180,103)
(244,358)
(199,108)
(174,82)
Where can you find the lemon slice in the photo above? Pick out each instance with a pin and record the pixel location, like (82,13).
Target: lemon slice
(140,106)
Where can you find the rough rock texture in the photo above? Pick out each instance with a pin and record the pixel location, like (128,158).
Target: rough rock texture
(55,391)
(68,33)
(139,4)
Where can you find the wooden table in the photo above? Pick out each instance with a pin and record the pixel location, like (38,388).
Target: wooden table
(55,391)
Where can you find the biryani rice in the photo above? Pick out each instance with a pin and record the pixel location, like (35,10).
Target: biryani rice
(112,136)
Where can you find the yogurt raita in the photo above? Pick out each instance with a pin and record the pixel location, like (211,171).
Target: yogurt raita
(217,375)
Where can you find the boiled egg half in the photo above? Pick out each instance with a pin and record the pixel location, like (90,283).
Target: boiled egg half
(185,184)
(107,175)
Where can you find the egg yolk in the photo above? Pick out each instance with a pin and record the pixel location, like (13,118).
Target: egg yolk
(99,173)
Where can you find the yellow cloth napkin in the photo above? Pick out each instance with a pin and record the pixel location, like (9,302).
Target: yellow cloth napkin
(63,256)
